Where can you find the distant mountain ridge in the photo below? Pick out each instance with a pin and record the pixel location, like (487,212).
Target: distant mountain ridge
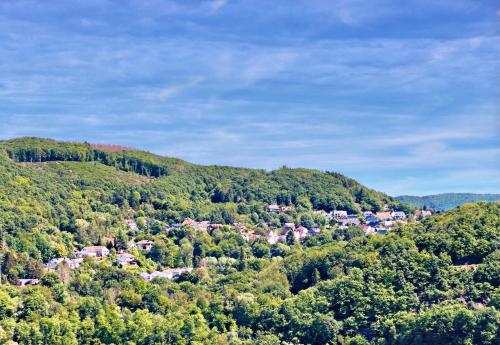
(446,201)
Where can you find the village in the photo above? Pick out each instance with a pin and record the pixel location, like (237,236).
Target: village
(371,223)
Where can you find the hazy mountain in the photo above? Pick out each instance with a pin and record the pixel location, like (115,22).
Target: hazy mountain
(446,201)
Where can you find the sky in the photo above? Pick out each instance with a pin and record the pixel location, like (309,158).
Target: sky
(403,98)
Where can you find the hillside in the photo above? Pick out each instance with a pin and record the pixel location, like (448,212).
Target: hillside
(92,253)
(446,201)
(173,189)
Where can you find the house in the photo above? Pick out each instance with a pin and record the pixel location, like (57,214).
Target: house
(188,221)
(245,236)
(216,226)
(125,259)
(273,208)
(175,226)
(398,215)
(171,273)
(343,222)
(371,220)
(314,231)
(388,224)
(272,237)
(320,212)
(176,272)
(55,262)
(339,214)
(301,233)
(353,220)
(286,208)
(385,215)
(349,221)
(368,230)
(423,214)
(145,244)
(302,229)
(94,251)
(27,282)
(367,214)
(381,231)
(203,225)
(131,224)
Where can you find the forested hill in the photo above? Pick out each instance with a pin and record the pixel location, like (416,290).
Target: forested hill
(199,190)
(446,201)
(434,281)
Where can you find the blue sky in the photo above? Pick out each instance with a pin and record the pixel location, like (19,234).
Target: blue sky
(404,98)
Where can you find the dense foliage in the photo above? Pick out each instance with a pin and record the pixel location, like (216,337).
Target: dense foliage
(446,201)
(431,282)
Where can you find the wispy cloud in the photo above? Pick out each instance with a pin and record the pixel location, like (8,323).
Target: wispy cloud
(167,92)
(216,5)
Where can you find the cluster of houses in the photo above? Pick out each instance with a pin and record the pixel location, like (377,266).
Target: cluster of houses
(371,223)
(53,264)
(204,225)
(300,233)
(96,252)
(123,258)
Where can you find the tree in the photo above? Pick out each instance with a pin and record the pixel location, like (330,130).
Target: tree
(186,252)
(121,242)
(306,220)
(304,203)
(290,238)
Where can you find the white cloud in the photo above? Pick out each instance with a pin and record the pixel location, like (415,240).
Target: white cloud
(165,93)
(216,5)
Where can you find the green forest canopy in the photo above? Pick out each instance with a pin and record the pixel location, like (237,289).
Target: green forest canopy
(430,282)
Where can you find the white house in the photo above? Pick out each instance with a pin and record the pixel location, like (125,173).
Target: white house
(300,233)
(171,273)
(55,262)
(423,214)
(94,251)
(27,282)
(340,214)
(130,224)
(145,244)
(273,208)
(399,215)
(314,231)
(272,237)
(125,259)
